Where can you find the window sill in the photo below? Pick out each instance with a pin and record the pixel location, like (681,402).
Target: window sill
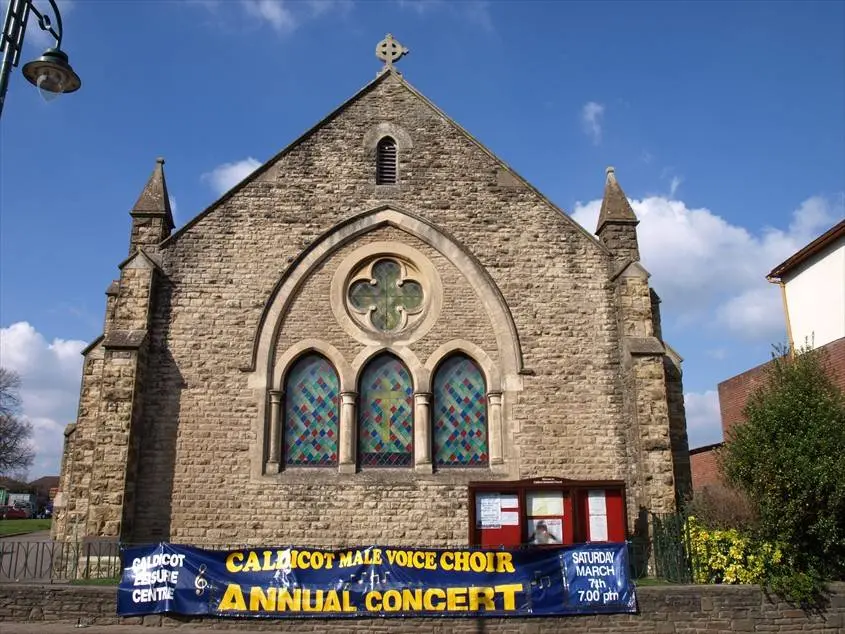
(387,475)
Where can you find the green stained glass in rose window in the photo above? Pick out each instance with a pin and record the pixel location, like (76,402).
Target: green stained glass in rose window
(385,295)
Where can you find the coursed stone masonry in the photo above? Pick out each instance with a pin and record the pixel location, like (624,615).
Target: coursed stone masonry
(172,439)
(664,610)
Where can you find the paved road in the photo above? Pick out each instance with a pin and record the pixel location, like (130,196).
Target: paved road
(37,536)
(26,557)
(34,557)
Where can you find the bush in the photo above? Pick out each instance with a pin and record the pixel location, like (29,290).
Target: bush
(718,506)
(788,458)
(728,556)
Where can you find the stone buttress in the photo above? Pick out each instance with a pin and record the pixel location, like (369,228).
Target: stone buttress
(97,485)
(653,393)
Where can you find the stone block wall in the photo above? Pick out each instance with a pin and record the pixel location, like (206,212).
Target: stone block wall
(662,610)
(202,419)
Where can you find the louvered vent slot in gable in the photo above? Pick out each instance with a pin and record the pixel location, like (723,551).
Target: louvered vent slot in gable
(386,164)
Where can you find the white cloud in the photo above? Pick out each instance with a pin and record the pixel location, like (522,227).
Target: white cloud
(223,177)
(673,186)
(704,422)
(174,208)
(476,11)
(319,8)
(50,375)
(712,273)
(591,115)
(282,16)
(421,7)
(274,12)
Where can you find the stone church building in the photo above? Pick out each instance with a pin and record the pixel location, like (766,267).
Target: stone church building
(379,321)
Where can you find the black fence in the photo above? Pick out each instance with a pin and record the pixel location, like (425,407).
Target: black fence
(50,561)
(666,556)
(673,560)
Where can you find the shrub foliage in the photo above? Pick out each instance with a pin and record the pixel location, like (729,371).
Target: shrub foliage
(788,459)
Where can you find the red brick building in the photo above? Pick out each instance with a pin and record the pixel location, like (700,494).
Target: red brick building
(815,258)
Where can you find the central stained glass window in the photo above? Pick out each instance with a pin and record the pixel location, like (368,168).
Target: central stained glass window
(386,414)
(387,296)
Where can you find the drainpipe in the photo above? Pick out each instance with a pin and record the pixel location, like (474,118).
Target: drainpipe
(780,282)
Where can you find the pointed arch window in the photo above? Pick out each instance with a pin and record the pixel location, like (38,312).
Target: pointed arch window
(386,414)
(459,419)
(312,406)
(387,164)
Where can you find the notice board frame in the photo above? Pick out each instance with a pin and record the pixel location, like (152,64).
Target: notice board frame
(574,489)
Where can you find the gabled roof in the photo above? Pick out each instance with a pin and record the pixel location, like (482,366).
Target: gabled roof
(830,236)
(92,345)
(381,77)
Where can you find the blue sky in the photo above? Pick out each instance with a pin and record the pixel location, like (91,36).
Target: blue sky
(725,122)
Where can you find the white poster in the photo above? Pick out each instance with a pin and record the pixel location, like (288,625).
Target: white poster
(488,510)
(545,503)
(596,502)
(510,518)
(598,515)
(598,528)
(545,531)
(510,501)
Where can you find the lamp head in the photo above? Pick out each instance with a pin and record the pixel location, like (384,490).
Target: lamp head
(52,74)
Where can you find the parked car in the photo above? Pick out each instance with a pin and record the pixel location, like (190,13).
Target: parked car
(13,513)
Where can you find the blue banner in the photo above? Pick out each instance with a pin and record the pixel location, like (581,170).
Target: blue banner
(375,581)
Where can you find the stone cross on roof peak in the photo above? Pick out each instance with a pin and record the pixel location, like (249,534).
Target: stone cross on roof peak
(389,51)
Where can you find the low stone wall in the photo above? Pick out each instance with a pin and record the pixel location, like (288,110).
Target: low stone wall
(663,609)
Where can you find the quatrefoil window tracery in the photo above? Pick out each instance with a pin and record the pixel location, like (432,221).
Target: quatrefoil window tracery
(384,294)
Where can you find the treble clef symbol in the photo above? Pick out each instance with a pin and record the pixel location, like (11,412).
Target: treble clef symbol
(201,583)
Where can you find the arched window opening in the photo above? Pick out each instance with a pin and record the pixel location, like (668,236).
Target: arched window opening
(312,413)
(387,166)
(459,419)
(386,414)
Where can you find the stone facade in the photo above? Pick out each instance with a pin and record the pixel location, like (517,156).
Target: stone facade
(177,436)
(662,609)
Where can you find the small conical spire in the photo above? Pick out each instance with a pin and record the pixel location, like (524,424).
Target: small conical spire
(154,200)
(614,206)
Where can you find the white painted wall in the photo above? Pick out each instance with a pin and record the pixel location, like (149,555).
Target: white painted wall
(815,298)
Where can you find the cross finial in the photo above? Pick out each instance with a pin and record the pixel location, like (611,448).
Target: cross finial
(389,51)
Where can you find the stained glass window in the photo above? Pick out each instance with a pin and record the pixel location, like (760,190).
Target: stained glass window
(385,295)
(312,405)
(386,414)
(459,419)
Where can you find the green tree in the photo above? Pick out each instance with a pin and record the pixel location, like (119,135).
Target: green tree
(789,459)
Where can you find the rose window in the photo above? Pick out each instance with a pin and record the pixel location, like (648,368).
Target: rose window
(385,295)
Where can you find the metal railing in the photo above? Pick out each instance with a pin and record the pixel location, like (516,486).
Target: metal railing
(673,560)
(665,556)
(57,562)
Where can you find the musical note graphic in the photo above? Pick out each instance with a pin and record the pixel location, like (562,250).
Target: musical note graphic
(200,582)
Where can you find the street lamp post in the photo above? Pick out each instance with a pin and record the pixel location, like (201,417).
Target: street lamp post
(51,72)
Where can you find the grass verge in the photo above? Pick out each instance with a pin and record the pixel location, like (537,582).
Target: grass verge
(12,527)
